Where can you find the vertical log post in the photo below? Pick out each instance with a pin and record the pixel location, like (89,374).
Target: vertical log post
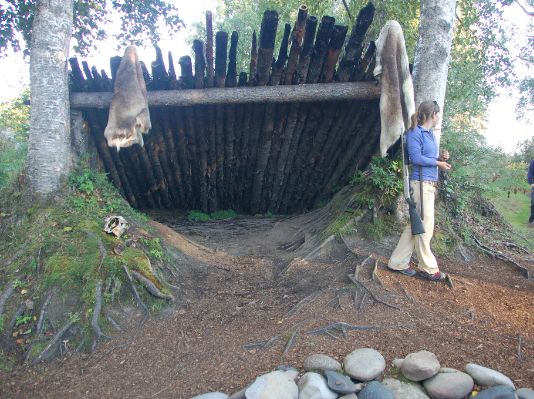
(307,47)
(334,49)
(269,24)
(320,48)
(297,36)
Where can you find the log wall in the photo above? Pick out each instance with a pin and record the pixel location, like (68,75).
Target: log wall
(228,147)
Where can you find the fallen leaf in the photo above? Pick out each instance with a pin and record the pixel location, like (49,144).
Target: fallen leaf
(67,228)
(20,341)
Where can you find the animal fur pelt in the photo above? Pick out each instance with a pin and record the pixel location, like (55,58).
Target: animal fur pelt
(128,113)
(397,95)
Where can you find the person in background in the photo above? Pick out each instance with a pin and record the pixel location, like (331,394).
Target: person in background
(423,153)
(531,182)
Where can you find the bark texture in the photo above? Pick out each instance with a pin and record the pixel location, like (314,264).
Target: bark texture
(432,53)
(49,154)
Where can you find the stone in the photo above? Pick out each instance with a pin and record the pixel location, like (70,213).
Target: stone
(340,383)
(211,395)
(449,384)
(273,385)
(487,377)
(321,362)
(405,390)
(239,395)
(364,364)
(398,363)
(313,386)
(496,392)
(420,366)
(525,393)
(375,390)
(350,396)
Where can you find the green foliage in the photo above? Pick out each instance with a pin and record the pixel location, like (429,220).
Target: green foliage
(139,20)
(381,183)
(22,319)
(197,216)
(526,150)
(343,224)
(154,248)
(224,214)
(378,229)
(244,16)
(14,127)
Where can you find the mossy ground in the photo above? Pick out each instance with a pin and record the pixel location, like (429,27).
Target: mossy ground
(61,246)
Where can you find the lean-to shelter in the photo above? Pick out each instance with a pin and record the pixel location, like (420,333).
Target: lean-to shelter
(280,138)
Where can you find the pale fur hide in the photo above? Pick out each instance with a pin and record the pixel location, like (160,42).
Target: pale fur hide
(397,95)
(128,117)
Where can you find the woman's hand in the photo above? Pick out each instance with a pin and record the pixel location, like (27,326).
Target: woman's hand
(443,165)
(444,155)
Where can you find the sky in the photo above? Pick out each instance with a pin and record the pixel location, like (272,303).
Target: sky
(503,130)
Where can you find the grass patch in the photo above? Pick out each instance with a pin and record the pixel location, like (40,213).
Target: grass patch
(198,216)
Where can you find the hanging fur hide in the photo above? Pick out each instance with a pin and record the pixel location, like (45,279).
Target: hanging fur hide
(397,94)
(128,113)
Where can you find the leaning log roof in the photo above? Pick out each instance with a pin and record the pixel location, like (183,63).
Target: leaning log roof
(279,138)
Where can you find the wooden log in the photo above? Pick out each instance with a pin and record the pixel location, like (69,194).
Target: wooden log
(99,83)
(305,144)
(242,95)
(354,47)
(173,81)
(248,110)
(186,80)
(286,140)
(209,50)
(269,24)
(348,157)
(146,168)
(297,36)
(114,63)
(219,145)
(229,154)
(177,122)
(194,155)
(276,145)
(341,129)
(238,140)
(200,63)
(253,68)
(231,75)
(107,83)
(172,156)
(88,77)
(280,63)
(146,75)
(331,112)
(262,157)
(159,73)
(76,75)
(334,50)
(202,155)
(221,55)
(135,179)
(320,48)
(154,152)
(281,204)
(143,182)
(212,159)
(242,79)
(364,66)
(255,132)
(307,48)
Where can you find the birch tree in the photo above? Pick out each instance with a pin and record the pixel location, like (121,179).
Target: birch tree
(432,52)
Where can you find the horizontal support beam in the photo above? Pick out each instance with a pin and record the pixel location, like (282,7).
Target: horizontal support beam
(241,95)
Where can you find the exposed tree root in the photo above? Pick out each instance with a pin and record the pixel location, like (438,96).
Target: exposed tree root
(96,312)
(290,341)
(101,247)
(8,291)
(499,255)
(339,327)
(303,303)
(151,287)
(361,285)
(40,322)
(54,340)
(261,344)
(17,255)
(319,247)
(113,323)
(11,326)
(411,298)
(134,291)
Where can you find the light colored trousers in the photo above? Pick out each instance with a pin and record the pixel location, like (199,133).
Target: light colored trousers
(400,258)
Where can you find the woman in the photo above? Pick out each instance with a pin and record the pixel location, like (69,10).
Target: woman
(423,153)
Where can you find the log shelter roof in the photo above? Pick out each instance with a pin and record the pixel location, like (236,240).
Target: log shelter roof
(281,138)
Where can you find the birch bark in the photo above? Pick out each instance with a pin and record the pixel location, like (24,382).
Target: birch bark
(49,149)
(432,53)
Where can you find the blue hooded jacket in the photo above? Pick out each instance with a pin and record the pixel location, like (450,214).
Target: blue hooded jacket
(423,152)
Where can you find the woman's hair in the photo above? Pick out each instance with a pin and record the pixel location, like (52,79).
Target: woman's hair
(426,110)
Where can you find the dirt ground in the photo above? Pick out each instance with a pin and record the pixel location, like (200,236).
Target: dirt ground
(246,307)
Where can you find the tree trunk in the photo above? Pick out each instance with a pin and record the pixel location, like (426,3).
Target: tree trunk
(49,150)
(432,53)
